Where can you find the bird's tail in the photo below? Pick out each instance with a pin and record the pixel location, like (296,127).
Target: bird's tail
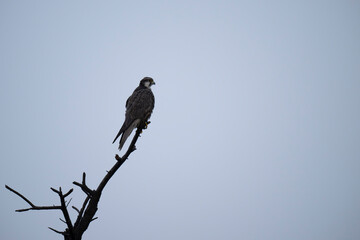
(120,131)
(127,133)
(125,136)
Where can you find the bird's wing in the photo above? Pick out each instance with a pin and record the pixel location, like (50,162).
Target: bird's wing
(143,106)
(129,102)
(136,105)
(127,133)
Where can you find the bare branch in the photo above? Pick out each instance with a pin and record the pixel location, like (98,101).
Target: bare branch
(62,220)
(67,204)
(68,193)
(80,213)
(120,161)
(39,208)
(84,178)
(84,205)
(83,186)
(77,210)
(64,209)
(82,223)
(20,195)
(56,191)
(62,233)
(33,206)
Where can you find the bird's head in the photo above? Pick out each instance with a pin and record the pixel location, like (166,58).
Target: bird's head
(147,82)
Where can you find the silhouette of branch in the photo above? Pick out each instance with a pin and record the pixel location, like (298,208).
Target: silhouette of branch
(80,212)
(84,187)
(64,208)
(33,206)
(83,222)
(59,232)
(76,209)
(90,205)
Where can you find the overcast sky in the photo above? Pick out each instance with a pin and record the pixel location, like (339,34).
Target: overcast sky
(255,133)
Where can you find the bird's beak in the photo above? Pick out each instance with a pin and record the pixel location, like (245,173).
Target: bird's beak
(152,83)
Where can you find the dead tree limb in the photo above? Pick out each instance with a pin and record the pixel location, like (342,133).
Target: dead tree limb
(33,206)
(90,205)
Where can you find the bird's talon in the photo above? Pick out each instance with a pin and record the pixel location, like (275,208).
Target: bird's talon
(146,124)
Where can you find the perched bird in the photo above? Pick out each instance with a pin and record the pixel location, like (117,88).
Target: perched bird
(139,107)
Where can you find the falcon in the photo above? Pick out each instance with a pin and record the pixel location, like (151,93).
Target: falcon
(139,107)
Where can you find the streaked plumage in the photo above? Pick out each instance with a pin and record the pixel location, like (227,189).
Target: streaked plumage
(139,107)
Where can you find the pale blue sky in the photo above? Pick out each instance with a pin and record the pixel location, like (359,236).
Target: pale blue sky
(255,133)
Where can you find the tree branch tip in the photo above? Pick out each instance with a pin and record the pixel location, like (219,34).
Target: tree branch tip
(67,204)
(62,233)
(22,210)
(83,177)
(54,190)
(21,196)
(68,193)
(76,209)
(117,157)
(77,184)
(9,188)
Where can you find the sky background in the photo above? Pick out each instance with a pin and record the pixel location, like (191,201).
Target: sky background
(255,133)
